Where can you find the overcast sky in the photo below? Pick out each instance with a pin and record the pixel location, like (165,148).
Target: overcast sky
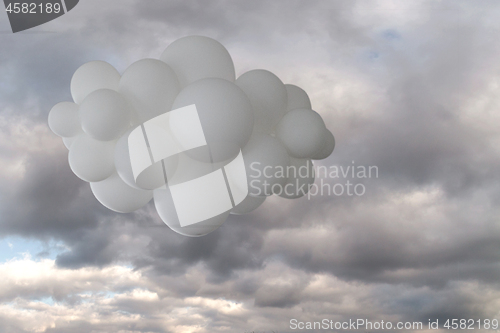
(412,87)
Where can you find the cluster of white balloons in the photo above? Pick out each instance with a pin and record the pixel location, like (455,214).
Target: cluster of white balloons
(271,122)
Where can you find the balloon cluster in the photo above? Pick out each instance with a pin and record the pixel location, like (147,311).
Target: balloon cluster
(271,122)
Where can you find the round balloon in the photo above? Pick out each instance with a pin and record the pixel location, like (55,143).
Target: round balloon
(105,115)
(114,194)
(327,148)
(150,86)
(302,132)
(268,97)
(297,98)
(225,114)
(63,119)
(300,178)
(149,179)
(266,161)
(93,76)
(196,57)
(248,205)
(166,209)
(68,141)
(90,159)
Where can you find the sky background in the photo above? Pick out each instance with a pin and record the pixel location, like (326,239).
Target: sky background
(412,87)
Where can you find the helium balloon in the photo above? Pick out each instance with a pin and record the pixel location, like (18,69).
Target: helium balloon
(68,141)
(166,209)
(192,120)
(225,114)
(301,131)
(297,98)
(149,179)
(300,178)
(150,86)
(63,119)
(114,194)
(268,97)
(105,115)
(93,76)
(248,205)
(266,161)
(196,57)
(90,159)
(328,146)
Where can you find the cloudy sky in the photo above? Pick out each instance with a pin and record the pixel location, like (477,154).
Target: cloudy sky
(412,87)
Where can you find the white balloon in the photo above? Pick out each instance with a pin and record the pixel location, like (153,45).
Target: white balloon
(300,178)
(268,97)
(196,57)
(266,161)
(165,206)
(297,98)
(105,115)
(273,124)
(114,194)
(90,159)
(149,179)
(150,86)
(302,132)
(225,114)
(68,141)
(328,146)
(248,205)
(93,76)
(63,119)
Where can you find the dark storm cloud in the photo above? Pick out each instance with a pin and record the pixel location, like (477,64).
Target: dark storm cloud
(48,201)
(28,62)
(423,137)
(237,246)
